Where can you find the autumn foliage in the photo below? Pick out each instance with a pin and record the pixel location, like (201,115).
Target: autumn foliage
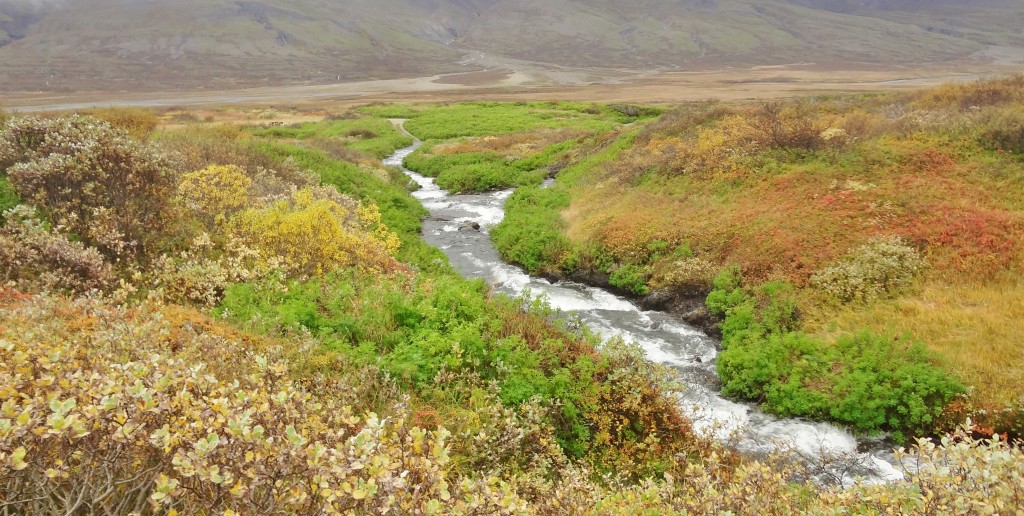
(91,179)
(866,205)
(313,234)
(215,193)
(218,321)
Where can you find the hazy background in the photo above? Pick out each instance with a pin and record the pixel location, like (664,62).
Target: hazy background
(54,45)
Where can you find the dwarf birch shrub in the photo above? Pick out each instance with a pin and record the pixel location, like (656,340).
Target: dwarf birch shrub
(1005,131)
(883,266)
(791,126)
(109,190)
(98,414)
(34,257)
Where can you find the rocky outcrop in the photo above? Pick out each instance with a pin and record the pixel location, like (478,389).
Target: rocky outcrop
(685,303)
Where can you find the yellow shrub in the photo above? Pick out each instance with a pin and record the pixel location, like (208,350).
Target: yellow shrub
(313,235)
(200,273)
(214,192)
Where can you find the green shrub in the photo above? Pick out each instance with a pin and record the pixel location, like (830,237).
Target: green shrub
(889,383)
(419,329)
(425,329)
(882,267)
(490,118)
(631,278)
(372,137)
(728,292)
(867,381)
(531,235)
(475,171)
(8,196)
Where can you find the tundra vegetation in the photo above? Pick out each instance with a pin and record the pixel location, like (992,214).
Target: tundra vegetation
(224,319)
(863,253)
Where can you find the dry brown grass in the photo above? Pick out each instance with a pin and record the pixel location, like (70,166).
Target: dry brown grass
(915,166)
(517,144)
(977,328)
(139,123)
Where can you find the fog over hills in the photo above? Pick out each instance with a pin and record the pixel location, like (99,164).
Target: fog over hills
(166,44)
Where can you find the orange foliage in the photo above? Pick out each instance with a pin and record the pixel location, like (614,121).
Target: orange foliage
(967,239)
(10,296)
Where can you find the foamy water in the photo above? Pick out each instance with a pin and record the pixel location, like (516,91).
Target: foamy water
(664,338)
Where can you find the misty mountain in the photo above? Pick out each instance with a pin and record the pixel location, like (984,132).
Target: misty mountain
(161,44)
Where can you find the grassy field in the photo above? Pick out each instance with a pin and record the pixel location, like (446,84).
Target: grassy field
(487,146)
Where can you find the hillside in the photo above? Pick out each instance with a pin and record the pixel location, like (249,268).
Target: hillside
(210,318)
(132,45)
(838,244)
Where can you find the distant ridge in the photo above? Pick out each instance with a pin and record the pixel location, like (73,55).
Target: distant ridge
(63,45)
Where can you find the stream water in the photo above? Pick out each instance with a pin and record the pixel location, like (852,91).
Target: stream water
(664,338)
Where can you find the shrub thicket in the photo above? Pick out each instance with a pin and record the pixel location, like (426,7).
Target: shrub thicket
(90,178)
(138,123)
(35,257)
(158,410)
(431,332)
(531,234)
(867,381)
(136,424)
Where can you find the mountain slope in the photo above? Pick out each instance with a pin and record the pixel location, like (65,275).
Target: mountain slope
(148,44)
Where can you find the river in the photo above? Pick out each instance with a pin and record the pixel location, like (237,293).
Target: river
(664,338)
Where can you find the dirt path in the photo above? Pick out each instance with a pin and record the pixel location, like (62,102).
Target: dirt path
(399,124)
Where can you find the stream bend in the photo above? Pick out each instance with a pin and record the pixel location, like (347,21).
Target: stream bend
(664,338)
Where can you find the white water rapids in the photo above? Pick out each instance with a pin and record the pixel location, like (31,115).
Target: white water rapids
(664,338)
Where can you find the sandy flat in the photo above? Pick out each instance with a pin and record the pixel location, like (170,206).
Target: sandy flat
(536,83)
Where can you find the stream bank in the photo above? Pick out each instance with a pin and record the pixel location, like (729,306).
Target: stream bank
(665,338)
